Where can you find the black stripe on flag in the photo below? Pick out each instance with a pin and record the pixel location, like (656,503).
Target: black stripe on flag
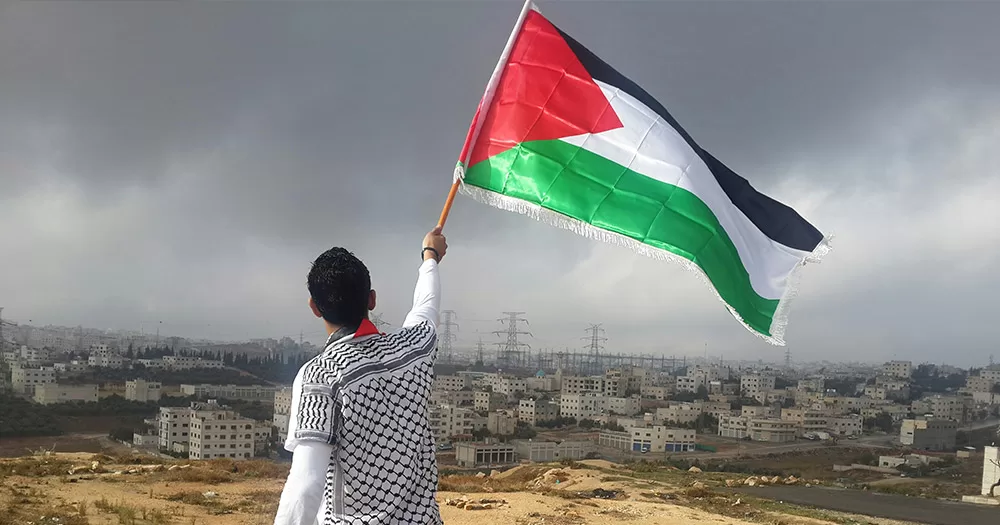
(776,220)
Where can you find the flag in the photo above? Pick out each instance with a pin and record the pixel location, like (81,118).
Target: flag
(564,138)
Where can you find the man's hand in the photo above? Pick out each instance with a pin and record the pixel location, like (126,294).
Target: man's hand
(435,240)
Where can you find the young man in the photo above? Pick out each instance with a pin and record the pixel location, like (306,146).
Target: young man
(363,452)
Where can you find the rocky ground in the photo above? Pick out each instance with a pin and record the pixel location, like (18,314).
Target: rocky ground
(84,489)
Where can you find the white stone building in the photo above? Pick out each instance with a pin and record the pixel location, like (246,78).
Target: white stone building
(534,411)
(447,421)
(142,390)
(174,423)
(24,380)
(587,406)
(752,384)
(488,401)
(51,393)
(452,382)
(261,393)
(218,432)
(179,362)
(282,407)
(501,422)
(900,369)
(104,356)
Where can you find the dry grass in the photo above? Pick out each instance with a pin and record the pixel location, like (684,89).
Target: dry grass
(514,481)
(128,514)
(34,466)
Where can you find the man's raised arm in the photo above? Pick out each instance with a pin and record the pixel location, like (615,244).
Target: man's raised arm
(427,294)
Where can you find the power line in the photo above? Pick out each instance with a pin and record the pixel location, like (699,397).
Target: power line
(595,347)
(509,352)
(445,336)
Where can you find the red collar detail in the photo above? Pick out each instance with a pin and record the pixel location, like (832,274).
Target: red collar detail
(366,328)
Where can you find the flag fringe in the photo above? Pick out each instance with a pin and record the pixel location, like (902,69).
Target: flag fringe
(546,216)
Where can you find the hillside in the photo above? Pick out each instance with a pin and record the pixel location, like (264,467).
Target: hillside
(82,489)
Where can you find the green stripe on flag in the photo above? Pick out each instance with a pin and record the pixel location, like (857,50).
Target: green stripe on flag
(580,184)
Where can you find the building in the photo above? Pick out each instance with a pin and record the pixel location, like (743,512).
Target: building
(459,398)
(736,427)
(679,413)
(501,423)
(23,380)
(542,384)
(488,401)
(51,393)
(70,369)
(659,393)
(180,362)
(582,385)
(509,386)
(241,392)
(757,411)
(955,408)
(484,454)
(586,406)
(661,439)
(452,382)
(218,432)
(145,440)
(174,424)
(102,355)
(772,430)
(448,421)
(900,369)
(615,440)
(282,407)
(535,411)
(812,384)
(752,384)
(991,469)
(624,406)
(928,434)
(142,390)
(551,451)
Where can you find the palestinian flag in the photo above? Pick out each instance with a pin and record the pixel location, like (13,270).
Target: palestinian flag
(563,137)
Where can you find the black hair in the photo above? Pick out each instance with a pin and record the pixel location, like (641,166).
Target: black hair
(340,285)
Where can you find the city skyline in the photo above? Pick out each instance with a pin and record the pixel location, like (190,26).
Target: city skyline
(186,162)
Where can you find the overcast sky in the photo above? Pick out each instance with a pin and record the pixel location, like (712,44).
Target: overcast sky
(185,162)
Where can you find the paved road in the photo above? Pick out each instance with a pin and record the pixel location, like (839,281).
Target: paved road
(934,512)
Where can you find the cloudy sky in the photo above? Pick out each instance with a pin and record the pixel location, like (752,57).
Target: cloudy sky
(184,163)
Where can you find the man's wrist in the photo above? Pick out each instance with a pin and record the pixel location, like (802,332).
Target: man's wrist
(430,253)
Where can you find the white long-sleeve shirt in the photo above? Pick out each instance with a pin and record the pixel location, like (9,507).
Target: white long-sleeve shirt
(363,451)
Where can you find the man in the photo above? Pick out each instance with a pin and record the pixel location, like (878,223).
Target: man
(363,452)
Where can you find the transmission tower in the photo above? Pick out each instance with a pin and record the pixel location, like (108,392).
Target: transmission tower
(510,353)
(788,358)
(595,347)
(479,352)
(445,336)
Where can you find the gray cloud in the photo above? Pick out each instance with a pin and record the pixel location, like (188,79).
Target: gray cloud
(185,162)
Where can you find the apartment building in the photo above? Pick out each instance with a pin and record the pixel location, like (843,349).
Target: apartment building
(736,427)
(70,369)
(659,393)
(928,434)
(509,386)
(582,385)
(812,384)
(488,401)
(142,390)
(772,430)
(900,369)
(180,362)
(448,421)
(755,411)
(979,384)
(219,432)
(24,380)
(452,382)
(817,421)
(174,424)
(241,392)
(453,397)
(753,383)
(623,382)
(955,408)
(586,406)
(501,422)
(655,438)
(104,356)
(690,383)
(30,356)
(542,384)
(282,407)
(534,411)
(679,413)
(51,393)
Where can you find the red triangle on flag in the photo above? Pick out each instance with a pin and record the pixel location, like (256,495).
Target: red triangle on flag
(544,93)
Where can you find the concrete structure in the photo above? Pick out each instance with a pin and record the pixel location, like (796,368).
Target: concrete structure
(534,411)
(736,427)
(812,384)
(174,426)
(24,380)
(70,369)
(179,362)
(102,355)
(452,382)
(51,393)
(488,401)
(501,422)
(661,439)
(772,430)
(448,421)
(218,432)
(928,434)
(582,385)
(484,454)
(615,440)
(145,440)
(900,369)
(242,392)
(457,398)
(752,384)
(142,390)
(586,406)
(282,407)
(509,386)
(659,393)
(991,470)
(955,408)
(549,451)
(679,413)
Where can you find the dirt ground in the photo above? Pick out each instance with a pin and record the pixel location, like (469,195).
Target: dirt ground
(98,489)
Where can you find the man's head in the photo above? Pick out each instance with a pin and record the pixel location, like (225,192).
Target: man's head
(340,288)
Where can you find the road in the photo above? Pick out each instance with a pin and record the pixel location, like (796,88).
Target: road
(918,510)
